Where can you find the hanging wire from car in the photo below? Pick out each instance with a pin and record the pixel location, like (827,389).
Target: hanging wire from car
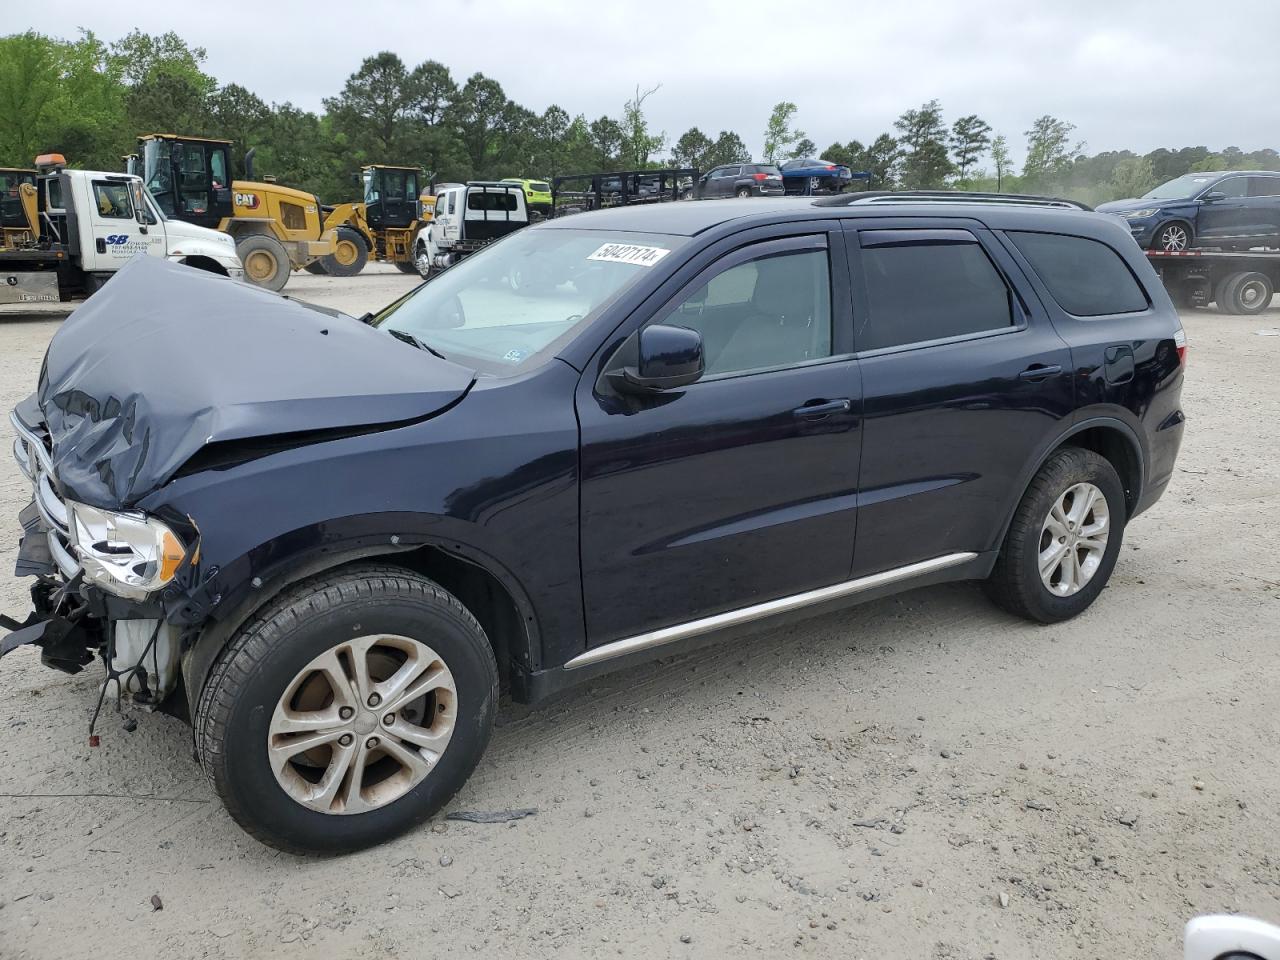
(121,678)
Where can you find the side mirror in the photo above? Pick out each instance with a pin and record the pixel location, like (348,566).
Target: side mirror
(1214,196)
(658,358)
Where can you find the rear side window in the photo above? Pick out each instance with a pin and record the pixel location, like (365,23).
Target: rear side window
(927,285)
(1086,277)
(1264,186)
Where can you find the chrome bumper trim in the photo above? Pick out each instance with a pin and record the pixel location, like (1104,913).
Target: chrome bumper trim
(760,611)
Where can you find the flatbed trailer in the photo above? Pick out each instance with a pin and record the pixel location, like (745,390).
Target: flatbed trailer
(1238,281)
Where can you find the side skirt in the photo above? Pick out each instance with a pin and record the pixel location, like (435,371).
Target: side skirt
(683,637)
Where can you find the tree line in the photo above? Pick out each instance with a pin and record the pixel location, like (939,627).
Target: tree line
(89,100)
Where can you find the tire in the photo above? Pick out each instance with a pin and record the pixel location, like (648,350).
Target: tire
(421,261)
(1245,293)
(407,266)
(316,267)
(1174,236)
(265,260)
(1016,583)
(349,256)
(267,670)
(742,192)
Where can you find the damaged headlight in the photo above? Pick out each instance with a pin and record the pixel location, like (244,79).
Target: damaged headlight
(128,554)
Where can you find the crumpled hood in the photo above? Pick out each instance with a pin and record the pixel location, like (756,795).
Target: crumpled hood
(166,359)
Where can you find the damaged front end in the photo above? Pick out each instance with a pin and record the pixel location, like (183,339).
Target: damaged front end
(99,579)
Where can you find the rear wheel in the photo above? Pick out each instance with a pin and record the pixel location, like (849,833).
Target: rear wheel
(350,710)
(743,192)
(265,260)
(1245,293)
(406,266)
(349,254)
(316,267)
(1064,539)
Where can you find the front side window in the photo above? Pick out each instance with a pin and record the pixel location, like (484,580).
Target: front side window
(1232,187)
(775,311)
(112,200)
(925,285)
(501,309)
(1085,276)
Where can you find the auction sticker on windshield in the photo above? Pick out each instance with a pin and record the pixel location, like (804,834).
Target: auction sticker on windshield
(629,253)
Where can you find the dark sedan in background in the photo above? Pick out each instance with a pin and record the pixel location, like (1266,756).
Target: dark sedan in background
(1235,209)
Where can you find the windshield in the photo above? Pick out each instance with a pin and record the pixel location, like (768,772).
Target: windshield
(504,306)
(1181,188)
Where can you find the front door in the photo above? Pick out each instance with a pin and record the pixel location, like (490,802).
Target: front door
(742,487)
(1225,218)
(116,231)
(963,381)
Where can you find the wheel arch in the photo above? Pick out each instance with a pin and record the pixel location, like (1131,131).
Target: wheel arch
(481,582)
(205,263)
(1109,437)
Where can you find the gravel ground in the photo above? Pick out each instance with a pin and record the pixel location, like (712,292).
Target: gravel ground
(918,777)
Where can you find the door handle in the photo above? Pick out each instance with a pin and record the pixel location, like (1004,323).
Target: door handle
(821,409)
(1040,371)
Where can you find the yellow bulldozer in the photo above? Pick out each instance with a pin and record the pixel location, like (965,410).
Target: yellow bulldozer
(388,219)
(276,228)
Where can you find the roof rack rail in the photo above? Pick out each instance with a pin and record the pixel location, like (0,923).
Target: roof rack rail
(948,196)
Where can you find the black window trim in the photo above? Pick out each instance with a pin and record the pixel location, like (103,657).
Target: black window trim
(762,249)
(1043,290)
(932,235)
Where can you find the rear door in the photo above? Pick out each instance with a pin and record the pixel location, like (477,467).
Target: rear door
(963,377)
(1264,208)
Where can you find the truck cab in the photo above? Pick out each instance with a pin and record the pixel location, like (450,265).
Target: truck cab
(466,218)
(89,223)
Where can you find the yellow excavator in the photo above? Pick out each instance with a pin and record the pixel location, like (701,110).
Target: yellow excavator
(276,228)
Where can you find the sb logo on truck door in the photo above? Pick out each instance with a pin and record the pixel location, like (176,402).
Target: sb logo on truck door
(247,200)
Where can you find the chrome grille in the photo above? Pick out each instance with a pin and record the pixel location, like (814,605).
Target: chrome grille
(33,460)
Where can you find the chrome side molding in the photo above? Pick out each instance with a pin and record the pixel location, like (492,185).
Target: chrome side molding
(761,611)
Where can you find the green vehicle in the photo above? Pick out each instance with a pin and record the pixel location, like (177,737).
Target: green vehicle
(537,194)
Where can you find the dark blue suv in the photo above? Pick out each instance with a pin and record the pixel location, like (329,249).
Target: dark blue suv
(332,542)
(1235,210)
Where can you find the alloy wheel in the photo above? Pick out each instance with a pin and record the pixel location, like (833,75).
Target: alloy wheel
(1073,539)
(1174,238)
(362,724)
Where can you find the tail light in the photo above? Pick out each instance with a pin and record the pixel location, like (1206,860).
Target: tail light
(759,176)
(831,166)
(1180,342)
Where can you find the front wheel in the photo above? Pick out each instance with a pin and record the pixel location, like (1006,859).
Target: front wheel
(1172,238)
(349,254)
(348,711)
(265,260)
(1064,539)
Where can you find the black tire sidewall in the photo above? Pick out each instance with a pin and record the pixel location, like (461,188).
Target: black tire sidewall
(246,773)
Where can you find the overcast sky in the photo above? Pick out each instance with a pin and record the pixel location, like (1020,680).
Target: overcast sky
(1132,74)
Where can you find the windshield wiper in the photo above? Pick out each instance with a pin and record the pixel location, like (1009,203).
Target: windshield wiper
(410,339)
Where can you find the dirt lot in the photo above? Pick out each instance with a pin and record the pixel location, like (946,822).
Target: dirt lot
(918,777)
